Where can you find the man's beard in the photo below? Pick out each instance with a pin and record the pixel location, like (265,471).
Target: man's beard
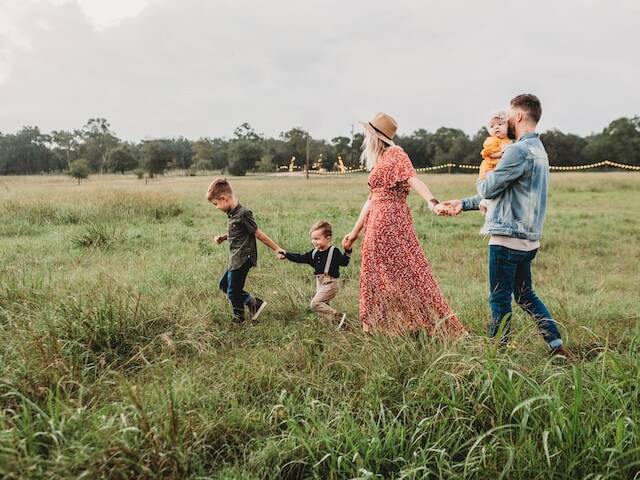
(511,131)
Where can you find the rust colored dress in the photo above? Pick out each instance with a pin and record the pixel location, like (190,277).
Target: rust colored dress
(398,292)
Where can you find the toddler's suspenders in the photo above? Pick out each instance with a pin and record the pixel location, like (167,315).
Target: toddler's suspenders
(327,265)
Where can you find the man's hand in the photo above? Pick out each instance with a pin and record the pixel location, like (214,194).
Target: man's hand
(218,239)
(454,207)
(281,254)
(442,210)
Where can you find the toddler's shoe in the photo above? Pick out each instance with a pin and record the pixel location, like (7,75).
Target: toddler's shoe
(341,324)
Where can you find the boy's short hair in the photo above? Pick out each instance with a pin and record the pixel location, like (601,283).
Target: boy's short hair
(530,104)
(502,116)
(218,188)
(322,225)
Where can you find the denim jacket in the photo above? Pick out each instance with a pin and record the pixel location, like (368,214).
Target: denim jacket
(519,186)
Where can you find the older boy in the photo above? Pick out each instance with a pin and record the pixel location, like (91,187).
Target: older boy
(242,233)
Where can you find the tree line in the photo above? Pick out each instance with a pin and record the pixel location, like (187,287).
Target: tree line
(95,148)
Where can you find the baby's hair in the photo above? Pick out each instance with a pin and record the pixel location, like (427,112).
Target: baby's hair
(218,188)
(321,225)
(502,116)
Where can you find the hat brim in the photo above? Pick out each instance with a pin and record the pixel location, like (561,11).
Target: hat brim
(376,133)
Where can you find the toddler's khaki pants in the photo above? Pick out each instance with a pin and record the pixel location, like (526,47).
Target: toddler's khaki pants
(326,290)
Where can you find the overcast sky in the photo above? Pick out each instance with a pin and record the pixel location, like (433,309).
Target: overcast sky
(196,68)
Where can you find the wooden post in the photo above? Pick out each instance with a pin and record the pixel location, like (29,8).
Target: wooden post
(307,157)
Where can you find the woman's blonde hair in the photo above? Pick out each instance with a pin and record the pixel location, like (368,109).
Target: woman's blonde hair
(372,148)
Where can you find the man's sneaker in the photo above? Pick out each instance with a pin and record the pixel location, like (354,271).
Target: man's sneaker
(341,324)
(561,351)
(256,308)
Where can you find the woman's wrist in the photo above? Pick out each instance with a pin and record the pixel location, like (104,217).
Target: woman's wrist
(432,203)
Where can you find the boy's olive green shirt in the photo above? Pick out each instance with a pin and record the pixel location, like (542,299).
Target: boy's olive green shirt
(241,234)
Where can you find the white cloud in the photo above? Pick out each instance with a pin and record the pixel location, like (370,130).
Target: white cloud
(196,67)
(107,13)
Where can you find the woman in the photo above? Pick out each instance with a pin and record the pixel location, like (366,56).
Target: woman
(398,292)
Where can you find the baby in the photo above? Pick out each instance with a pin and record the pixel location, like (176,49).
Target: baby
(492,149)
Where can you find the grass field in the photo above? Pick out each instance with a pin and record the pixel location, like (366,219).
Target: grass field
(118,358)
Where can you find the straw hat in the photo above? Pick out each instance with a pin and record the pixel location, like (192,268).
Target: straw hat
(382,126)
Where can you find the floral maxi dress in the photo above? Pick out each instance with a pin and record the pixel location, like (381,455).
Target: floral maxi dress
(398,292)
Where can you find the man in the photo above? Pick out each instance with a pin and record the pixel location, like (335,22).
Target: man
(519,188)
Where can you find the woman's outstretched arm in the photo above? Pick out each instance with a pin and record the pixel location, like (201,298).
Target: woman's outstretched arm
(422,190)
(351,237)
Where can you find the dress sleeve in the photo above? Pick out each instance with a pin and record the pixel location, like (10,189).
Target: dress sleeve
(400,168)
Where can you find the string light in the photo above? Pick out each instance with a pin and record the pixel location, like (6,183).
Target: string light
(553,168)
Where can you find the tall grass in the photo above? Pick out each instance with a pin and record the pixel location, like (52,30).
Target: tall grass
(118,358)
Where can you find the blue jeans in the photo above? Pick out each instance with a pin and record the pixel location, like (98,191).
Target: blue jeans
(232,283)
(510,274)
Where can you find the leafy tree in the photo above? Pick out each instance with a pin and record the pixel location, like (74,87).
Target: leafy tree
(182,153)
(246,132)
(341,147)
(99,140)
(417,146)
(624,140)
(220,158)
(563,148)
(296,145)
(156,155)
(79,169)
(244,154)
(450,144)
(324,153)
(279,150)
(354,159)
(26,152)
(66,144)
(265,165)
(203,152)
(122,158)
(475,147)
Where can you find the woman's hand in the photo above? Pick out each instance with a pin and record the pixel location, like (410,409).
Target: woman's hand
(441,210)
(349,239)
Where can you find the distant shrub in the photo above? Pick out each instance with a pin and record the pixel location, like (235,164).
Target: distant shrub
(139,173)
(79,169)
(97,235)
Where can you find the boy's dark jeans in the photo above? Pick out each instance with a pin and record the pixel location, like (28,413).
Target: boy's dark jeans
(510,274)
(232,283)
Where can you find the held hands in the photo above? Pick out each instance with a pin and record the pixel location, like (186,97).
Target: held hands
(442,210)
(450,208)
(218,239)
(348,240)
(281,254)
